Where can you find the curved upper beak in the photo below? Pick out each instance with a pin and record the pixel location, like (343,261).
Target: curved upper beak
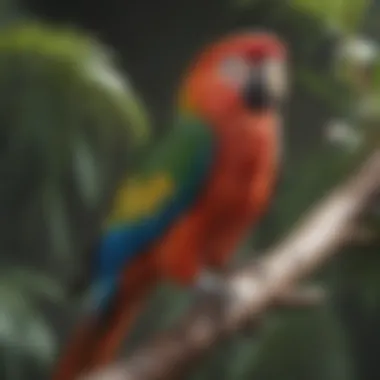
(266,86)
(256,93)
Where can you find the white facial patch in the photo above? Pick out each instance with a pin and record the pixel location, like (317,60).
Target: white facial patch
(275,74)
(235,70)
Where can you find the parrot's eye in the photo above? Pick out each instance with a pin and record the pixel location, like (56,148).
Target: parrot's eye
(236,70)
(275,75)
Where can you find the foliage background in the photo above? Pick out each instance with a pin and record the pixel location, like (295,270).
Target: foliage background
(339,340)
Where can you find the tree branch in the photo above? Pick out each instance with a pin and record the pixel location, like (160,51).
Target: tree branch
(317,237)
(301,297)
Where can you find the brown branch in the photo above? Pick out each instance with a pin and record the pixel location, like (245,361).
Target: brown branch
(302,297)
(315,240)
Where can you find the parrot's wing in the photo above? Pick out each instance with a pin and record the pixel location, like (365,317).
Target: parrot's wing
(166,185)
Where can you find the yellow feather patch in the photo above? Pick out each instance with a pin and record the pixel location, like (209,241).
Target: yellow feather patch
(138,198)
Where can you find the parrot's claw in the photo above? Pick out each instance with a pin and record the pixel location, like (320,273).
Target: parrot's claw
(211,283)
(212,289)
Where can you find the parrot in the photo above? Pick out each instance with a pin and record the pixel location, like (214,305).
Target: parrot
(194,197)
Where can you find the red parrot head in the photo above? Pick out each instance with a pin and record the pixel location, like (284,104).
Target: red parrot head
(243,72)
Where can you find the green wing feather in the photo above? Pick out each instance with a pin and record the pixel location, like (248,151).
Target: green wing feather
(175,169)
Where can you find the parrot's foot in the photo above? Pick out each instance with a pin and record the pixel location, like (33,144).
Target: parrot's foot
(215,290)
(211,284)
(212,289)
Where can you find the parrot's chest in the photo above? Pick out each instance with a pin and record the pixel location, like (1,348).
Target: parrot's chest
(239,177)
(247,174)
(237,171)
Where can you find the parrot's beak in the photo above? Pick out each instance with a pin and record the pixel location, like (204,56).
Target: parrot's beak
(256,94)
(266,87)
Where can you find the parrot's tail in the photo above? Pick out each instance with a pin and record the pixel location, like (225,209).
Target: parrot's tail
(97,340)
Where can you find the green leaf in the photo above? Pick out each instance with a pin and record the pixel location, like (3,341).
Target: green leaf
(72,127)
(31,282)
(25,333)
(341,15)
(87,175)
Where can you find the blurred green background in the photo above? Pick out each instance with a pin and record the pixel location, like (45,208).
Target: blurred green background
(68,136)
